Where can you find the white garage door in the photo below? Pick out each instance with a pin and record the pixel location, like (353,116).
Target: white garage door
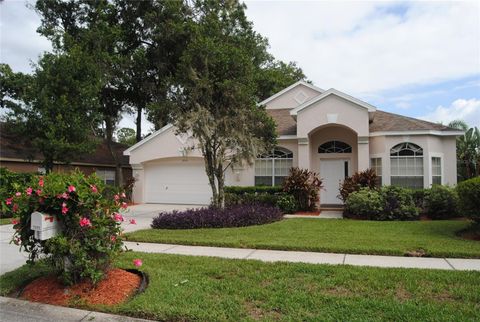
(178,182)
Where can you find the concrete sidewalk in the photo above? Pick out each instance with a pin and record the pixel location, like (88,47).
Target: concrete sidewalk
(310,257)
(13,310)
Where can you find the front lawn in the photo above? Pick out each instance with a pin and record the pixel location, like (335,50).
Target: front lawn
(437,238)
(5,221)
(184,288)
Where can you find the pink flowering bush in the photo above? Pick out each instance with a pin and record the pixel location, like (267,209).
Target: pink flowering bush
(90,234)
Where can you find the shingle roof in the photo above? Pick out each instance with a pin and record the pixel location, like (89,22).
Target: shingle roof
(286,124)
(384,121)
(13,147)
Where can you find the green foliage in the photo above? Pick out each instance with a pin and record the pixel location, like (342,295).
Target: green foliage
(398,204)
(287,204)
(248,198)
(276,75)
(418,196)
(126,136)
(214,99)
(11,182)
(253,189)
(90,223)
(387,203)
(365,203)
(55,106)
(468,151)
(469,195)
(363,179)
(305,186)
(441,202)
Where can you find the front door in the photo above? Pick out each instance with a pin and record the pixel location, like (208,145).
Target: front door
(332,172)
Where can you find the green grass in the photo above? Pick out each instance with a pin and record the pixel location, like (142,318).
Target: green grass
(216,289)
(5,221)
(437,238)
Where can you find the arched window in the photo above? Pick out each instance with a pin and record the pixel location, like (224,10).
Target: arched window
(406,164)
(272,168)
(335,147)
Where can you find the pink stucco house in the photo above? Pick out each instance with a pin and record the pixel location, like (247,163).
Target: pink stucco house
(326,131)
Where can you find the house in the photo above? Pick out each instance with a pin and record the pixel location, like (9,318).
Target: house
(18,155)
(326,131)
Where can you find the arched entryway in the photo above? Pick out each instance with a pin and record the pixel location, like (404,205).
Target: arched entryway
(334,152)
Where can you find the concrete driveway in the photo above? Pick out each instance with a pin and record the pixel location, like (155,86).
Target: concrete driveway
(11,258)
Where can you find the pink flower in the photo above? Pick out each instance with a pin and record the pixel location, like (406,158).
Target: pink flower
(124,205)
(29,191)
(116,197)
(117,217)
(8,201)
(15,208)
(113,238)
(123,195)
(85,222)
(71,189)
(14,221)
(94,188)
(40,182)
(39,191)
(64,195)
(18,194)
(64,208)
(133,221)
(137,262)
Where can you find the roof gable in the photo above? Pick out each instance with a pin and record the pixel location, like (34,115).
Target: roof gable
(337,93)
(289,88)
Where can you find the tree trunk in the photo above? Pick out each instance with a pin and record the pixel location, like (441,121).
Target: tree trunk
(109,127)
(139,123)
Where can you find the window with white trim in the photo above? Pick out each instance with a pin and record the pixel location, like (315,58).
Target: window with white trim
(108,176)
(376,165)
(406,164)
(436,170)
(272,168)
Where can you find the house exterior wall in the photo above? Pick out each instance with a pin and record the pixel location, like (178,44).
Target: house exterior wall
(433,146)
(287,100)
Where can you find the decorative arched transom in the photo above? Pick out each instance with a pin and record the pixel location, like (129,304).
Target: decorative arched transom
(335,147)
(406,149)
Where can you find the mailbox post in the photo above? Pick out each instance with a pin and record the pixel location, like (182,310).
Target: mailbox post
(44,226)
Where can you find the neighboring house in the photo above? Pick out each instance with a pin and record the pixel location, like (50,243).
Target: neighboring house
(328,132)
(18,156)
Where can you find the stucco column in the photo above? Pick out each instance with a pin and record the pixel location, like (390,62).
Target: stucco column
(363,153)
(303,153)
(138,174)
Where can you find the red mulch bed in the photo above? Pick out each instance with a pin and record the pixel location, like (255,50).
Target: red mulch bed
(308,213)
(114,289)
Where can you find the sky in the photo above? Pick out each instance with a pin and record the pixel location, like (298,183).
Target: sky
(420,59)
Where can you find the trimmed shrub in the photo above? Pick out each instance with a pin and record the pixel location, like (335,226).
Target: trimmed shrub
(90,234)
(365,204)
(232,199)
(253,189)
(398,204)
(304,186)
(287,204)
(233,216)
(363,179)
(418,196)
(469,196)
(388,203)
(441,202)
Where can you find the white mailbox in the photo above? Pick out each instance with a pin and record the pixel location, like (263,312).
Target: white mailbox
(44,226)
